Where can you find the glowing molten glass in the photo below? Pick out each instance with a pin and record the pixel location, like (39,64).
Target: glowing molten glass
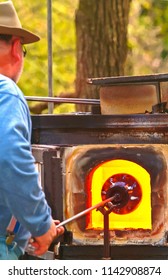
(134,211)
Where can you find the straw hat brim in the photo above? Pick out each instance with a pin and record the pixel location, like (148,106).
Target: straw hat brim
(26,36)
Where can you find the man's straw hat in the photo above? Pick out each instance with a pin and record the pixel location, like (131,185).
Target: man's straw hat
(10,24)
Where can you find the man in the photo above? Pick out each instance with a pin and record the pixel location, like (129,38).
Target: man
(24,212)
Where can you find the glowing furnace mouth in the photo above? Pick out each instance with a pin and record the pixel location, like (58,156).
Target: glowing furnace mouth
(132,184)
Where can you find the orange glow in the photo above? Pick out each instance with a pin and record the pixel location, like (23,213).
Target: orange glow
(132,215)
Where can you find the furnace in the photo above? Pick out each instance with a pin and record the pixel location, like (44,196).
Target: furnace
(86,158)
(95,172)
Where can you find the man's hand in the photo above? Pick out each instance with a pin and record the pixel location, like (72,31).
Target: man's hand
(42,243)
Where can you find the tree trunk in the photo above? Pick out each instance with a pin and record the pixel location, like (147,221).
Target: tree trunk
(101,27)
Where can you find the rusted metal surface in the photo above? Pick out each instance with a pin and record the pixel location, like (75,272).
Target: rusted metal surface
(134,252)
(129,79)
(92,129)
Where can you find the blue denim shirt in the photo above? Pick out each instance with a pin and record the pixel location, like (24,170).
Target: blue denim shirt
(20,192)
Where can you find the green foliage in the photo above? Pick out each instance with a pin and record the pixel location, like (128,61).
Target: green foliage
(148,39)
(147,34)
(33,15)
(158,12)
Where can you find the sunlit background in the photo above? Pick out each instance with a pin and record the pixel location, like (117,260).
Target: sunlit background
(148,48)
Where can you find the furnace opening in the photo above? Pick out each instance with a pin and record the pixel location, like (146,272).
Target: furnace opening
(132,183)
(139,175)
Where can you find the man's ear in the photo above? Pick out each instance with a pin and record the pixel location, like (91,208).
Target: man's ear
(16,52)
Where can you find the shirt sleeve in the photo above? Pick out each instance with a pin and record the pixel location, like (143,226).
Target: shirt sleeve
(19,182)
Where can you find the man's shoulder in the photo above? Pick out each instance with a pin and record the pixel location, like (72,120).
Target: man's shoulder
(10,88)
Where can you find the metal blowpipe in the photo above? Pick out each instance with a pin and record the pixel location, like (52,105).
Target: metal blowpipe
(110,199)
(30,249)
